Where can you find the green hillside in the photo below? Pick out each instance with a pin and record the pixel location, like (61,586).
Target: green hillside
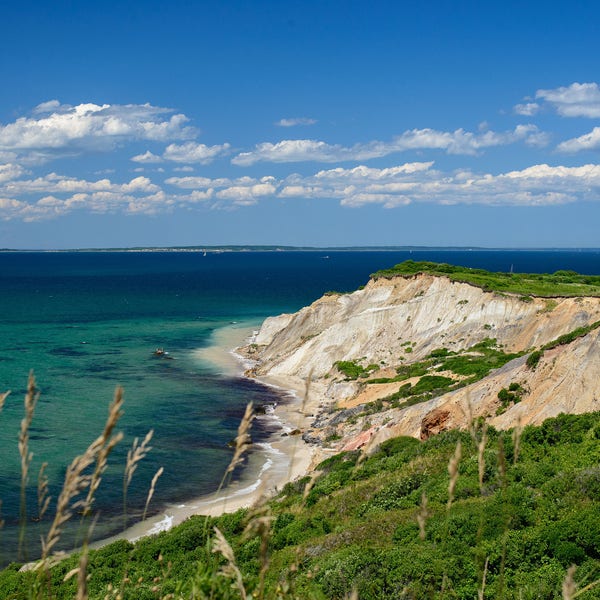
(415,520)
(559,284)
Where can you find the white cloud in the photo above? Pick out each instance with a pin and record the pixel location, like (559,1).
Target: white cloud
(456,142)
(10,171)
(539,185)
(192,183)
(243,195)
(528,109)
(55,127)
(191,152)
(47,107)
(295,121)
(186,169)
(575,100)
(147,157)
(60,184)
(589,141)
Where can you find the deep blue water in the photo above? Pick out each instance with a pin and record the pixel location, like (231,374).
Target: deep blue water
(86,322)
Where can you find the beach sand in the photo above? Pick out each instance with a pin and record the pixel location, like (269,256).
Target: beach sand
(270,465)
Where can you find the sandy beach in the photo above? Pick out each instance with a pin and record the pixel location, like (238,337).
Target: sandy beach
(271,464)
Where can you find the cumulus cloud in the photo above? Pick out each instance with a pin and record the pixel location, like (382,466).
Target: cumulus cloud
(191,152)
(455,142)
(417,182)
(589,141)
(55,184)
(575,100)
(147,157)
(295,121)
(187,153)
(539,185)
(242,191)
(55,126)
(10,171)
(528,109)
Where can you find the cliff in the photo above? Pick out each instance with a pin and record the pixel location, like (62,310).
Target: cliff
(374,358)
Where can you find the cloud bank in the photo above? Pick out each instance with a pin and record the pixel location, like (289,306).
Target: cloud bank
(455,142)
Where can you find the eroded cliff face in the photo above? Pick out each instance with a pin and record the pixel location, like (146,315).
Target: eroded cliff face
(401,321)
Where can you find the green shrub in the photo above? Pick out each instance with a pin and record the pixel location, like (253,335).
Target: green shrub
(533,359)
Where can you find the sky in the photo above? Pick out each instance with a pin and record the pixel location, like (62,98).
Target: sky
(314,123)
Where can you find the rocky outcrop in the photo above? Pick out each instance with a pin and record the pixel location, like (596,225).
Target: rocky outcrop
(401,321)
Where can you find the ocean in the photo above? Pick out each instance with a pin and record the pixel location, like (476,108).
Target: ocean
(85,322)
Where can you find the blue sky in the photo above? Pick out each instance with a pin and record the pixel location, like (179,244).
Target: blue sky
(300,123)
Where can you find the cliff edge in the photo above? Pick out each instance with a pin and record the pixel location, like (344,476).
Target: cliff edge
(417,354)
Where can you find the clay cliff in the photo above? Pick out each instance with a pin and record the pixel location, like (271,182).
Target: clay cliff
(401,325)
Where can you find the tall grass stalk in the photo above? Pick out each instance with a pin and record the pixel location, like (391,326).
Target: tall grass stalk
(2,399)
(82,575)
(31,398)
(108,442)
(230,570)
(243,443)
(76,482)
(453,472)
(259,523)
(151,490)
(422,517)
(568,586)
(134,455)
(42,492)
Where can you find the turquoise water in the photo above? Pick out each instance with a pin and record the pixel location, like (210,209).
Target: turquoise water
(86,322)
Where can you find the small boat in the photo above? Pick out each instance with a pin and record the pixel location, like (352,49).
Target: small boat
(162,353)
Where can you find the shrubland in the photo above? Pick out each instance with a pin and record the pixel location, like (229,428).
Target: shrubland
(465,514)
(559,284)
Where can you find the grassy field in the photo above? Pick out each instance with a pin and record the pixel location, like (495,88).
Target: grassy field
(559,284)
(463,515)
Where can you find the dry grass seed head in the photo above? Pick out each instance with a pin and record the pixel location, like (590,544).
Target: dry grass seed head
(82,575)
(135,454)
(30,401)
(42,492)
(230,570)
(422,516)
(481,590)
(516,439)
(568,587)
(31,397)
(76,481)
(453,472)
(151,490)
(259,523)
(481,456)
(242,439)
(103,446)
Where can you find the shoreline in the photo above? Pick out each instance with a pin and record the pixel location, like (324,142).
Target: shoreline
(270,465)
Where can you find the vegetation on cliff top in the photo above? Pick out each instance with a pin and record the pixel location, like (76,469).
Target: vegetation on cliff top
(504,514)
(559,284)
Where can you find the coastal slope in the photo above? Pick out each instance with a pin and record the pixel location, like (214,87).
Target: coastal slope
(370,354)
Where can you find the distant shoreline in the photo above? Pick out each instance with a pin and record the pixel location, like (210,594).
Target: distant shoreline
(251,248)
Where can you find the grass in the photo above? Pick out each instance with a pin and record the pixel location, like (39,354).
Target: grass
(468,366)
(354,370)
(559,284)
(534,358)
(482,513)
(476,514)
